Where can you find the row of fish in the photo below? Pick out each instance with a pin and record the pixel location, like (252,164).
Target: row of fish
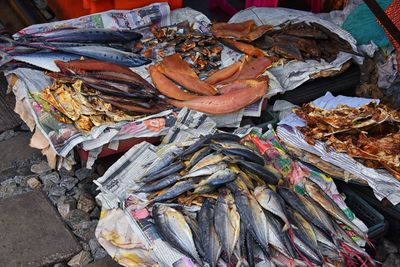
(115,46)
(246,215)
(223,91)
(97,88)
(290,41)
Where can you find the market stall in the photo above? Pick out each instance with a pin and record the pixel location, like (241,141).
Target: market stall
(197,184)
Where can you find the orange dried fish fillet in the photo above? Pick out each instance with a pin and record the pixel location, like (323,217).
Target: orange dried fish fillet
(166,86)
(226,72)
(178,70)
(246,30)
(240,84)
(230,102)
(250,70)
(248,49)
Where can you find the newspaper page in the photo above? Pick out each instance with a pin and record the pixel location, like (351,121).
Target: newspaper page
(294,73)
(138,19)
(382,182)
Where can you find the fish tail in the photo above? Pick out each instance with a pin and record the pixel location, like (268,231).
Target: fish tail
(291,238)
(369,242)
(362,258)
(5,58)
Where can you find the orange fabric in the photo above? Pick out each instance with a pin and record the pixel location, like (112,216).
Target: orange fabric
(130,4)
(68,9)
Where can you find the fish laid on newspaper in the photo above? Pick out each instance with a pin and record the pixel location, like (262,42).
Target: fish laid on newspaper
(245,213)
(92,93)
(111,45)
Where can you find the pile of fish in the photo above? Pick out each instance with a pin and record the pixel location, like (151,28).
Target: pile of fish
(91,93)
(290,41)
(223,91)
(115,46)
(370,133)
(245,214)
(201,51)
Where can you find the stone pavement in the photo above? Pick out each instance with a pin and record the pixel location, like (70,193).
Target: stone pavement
(48,217)
(32,233)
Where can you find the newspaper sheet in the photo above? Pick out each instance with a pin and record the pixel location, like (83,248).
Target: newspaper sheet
(137,19)
(382,182)
(117,185)
(294,73)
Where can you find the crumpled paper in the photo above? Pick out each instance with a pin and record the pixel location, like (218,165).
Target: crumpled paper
(116,236)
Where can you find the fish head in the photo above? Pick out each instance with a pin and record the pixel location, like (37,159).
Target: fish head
(259,191)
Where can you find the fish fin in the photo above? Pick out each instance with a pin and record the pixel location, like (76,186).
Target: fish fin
(5,58)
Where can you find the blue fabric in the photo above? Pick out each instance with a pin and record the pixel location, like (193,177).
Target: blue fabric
(361,23)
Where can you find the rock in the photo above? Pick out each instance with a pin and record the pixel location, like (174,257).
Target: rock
(65,173)
(88,186)
(392,260)
(21,190)
(86,202)
(85,245)
(57,190)
(8,188)
(95,214)
(83,173)
(65,204)
(85,230)
(49,179)
(385,248)
(81,259)
(40,168)
(68,182)
(34,183)
(76,192)
(24,127)
(98,252)
(7,135)
(54,199)
(60,265)
(74,217)
(22,180)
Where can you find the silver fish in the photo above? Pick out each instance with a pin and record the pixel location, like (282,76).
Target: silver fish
(160,184)
(330,206)
(174,228)
(177,189)
(218,178)
(211,159)
(207,170)
(108,54)
(253,216)
(209,239)
(43,60)
(306,251)
(199,155)
(85,35)
(160,163)
(168,170)
(227,222)
(277,238)
(272,202)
